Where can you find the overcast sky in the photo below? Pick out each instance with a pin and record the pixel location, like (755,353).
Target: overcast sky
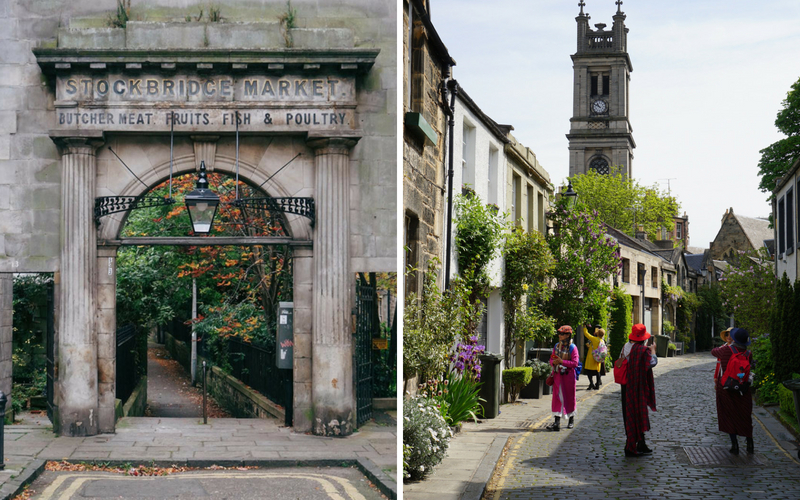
(708,79)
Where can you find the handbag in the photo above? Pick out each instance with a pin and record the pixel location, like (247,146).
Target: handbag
(600,353)
(621,371)
(550,380)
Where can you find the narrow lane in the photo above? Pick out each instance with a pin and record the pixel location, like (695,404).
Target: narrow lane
(588,462)
(169,389)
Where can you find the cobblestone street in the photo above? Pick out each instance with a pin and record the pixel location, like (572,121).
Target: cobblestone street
(588,462)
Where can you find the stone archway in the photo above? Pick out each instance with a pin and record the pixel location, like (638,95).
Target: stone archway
(320,110)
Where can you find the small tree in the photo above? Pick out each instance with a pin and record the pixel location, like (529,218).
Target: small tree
(784,338)
(584,259)
(528,263)
(748,291)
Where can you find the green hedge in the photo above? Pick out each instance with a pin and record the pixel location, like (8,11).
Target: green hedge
(620,322)
(786,400)
(520,376)
(784,337)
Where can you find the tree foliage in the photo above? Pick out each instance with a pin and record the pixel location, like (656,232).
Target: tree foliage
(479,230)
(528,264)
(433,322)
(623,203)
(784,338)
(620,322)
(585,258)
(748,291)
(778,157)
(238,287)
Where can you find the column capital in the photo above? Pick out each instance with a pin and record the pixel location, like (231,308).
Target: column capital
(332,145)
(78,141)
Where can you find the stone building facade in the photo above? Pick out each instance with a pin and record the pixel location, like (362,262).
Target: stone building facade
(73,85)
(600,133)
(426,68)
(739,233)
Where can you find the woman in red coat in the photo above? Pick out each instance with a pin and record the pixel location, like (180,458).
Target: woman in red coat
(734,409)
(564,360)
(639,393)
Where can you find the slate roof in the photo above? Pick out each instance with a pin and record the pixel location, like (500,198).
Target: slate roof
(695,261)
(756,229)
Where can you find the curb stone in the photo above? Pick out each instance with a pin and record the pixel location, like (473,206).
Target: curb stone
(14,487)
(485,471)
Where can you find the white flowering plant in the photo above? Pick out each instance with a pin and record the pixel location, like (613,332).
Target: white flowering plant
(426,437)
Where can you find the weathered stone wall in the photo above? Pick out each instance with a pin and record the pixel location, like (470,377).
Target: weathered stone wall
(423,162)
(29,161)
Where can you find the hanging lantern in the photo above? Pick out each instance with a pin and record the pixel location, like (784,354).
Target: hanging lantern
(202,204)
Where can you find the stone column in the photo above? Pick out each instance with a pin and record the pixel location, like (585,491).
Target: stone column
(303,292)
(6,329)
(77,360)
(332,349)
(106,326)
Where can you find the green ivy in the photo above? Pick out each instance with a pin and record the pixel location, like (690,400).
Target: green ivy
(479,230)
(620,323)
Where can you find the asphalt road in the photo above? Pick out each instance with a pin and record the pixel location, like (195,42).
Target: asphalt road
(279,483)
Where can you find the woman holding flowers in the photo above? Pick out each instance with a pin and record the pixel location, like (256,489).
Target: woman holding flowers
(564,359)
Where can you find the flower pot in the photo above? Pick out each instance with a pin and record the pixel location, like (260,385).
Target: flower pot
(670,353)
(533,390)
(548,390)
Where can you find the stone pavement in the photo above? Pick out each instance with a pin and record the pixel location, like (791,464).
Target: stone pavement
(588,461)
(187,441)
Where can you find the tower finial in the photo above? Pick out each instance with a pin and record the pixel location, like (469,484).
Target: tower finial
(581,4)
(619,6)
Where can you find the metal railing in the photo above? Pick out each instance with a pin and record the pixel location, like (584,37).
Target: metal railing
(255,367)
(127,374)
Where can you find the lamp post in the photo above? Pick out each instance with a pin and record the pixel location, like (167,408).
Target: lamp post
(572,197)
(202,203)
(642,273)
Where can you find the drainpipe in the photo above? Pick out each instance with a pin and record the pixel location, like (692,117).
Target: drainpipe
(452,85)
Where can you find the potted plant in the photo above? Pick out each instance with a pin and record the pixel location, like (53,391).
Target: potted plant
(539,372)
(515,379)
(671,350)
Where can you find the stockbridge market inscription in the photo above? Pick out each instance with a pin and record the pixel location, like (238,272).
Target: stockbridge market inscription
(149,103)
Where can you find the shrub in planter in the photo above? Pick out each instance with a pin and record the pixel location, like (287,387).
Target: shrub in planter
(515,379)
(539,369)
(426,434)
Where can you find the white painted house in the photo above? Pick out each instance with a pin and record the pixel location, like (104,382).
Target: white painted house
(502,172)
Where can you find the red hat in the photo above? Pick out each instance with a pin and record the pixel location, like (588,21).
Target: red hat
(639,332)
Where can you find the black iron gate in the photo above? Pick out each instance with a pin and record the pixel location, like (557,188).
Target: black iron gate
(363,352)
(52,409)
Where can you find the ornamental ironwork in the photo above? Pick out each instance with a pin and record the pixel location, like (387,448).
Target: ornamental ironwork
(106,205)
(288,205)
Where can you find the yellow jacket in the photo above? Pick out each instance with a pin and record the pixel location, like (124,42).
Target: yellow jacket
(590,363)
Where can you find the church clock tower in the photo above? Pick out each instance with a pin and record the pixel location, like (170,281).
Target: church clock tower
(600,134)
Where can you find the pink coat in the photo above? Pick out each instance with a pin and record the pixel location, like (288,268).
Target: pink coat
(566,383)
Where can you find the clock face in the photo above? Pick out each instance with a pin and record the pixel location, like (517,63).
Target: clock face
(599,106)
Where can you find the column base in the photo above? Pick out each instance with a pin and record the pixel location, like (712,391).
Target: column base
(332,422)
(79,423)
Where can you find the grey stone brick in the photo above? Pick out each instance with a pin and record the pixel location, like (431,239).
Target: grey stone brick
(145,35)
(245,35)
(92,38)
